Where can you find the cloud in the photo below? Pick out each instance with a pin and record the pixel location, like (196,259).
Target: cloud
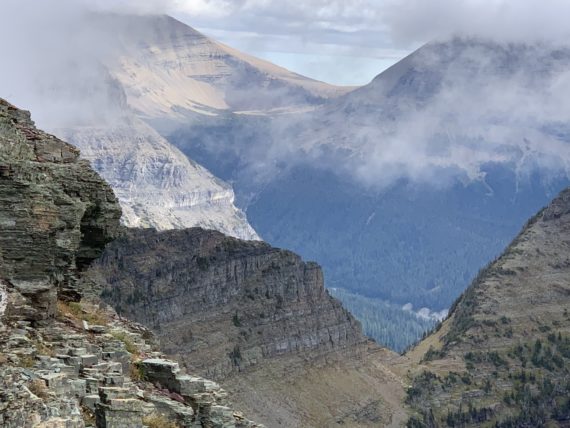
(455,107)
(463,106)
(53,62)
(446,113)
(367,28)
(353,28)
(505,20)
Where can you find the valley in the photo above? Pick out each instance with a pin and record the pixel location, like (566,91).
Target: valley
(190,132)
(194,237)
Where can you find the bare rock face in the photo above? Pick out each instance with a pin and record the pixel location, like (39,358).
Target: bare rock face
(155,183)
(256,319)
(221,303)
(75,364)
(56,213)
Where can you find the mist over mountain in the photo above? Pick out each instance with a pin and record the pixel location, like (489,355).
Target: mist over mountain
(77,95)
(406,191)
(403,188)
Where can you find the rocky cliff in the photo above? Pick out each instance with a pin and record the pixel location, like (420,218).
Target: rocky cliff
(155,183)
(66,363)
(256,318)
(503,356)
(56,213)
(223,303)
(77,96)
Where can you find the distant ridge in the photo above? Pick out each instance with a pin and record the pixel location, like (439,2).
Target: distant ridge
(168,69)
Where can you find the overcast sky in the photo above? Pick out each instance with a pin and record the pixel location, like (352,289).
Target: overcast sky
(351,41)
(338,41)
(344,41)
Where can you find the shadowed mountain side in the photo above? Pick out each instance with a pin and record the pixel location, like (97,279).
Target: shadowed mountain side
(256,318)
(402,189)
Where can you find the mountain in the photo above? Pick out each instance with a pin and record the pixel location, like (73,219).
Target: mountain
(403,188)
(164,72)
(169,70)
(248,314)
(258,320)
(156,184)
(79,98)
(502,357)
(56,214)
(68,361)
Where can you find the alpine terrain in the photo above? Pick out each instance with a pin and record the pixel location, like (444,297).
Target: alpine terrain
(400,194)
(67,361)
(156,267)
(254,318)
(502,357)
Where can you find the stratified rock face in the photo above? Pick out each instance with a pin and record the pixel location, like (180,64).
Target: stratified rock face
(222,303)
(82,363)
(168,69)
(156,184)
(56,213)
(255,318)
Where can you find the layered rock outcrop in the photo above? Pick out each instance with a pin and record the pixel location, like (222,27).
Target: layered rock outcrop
(258,320)
(66,363)
(155,183)
(56,213)
(222,303)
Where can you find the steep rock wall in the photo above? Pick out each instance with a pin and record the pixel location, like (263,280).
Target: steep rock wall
(155,183)
(222,303)
(56,213)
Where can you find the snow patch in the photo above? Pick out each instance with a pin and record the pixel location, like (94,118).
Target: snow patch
(3,299)
(426,313)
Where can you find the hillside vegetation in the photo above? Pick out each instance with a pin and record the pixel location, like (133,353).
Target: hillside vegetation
(503,357)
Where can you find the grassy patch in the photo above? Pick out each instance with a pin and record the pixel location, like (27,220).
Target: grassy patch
(27,361)
(43,349)
(39,388)
(82,312)
(158,421)
(130,346)
(136,371)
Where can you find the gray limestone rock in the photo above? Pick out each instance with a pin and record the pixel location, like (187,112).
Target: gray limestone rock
(223,304)
(56,213)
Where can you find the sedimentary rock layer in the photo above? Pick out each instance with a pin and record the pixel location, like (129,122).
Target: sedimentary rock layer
(223,303)
(56,213)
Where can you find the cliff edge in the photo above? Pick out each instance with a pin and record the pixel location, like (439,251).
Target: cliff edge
(68,361)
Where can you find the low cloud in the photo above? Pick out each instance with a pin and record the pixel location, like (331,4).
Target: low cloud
(457,107)
(53,62)
(499,20)
(471,103)
(426,313)
(447,113)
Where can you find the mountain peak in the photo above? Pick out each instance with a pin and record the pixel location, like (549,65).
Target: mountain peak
(170,69)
